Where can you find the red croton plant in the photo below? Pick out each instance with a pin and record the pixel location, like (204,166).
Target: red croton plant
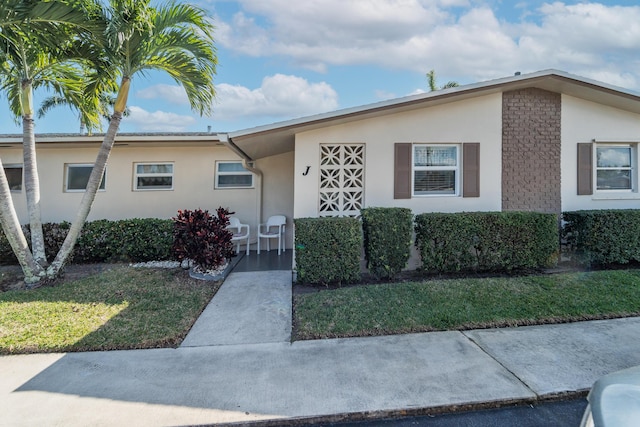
(203,238)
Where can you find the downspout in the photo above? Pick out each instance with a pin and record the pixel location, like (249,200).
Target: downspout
(249,164)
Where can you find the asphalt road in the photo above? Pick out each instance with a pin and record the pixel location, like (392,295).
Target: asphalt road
(550,414)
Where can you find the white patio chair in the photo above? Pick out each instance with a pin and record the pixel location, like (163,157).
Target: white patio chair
(273,228)
(236,227)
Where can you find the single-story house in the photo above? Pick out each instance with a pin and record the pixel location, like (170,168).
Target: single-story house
(548,141)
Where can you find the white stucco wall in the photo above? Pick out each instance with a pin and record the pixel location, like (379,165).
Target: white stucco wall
(277,198)
(193,185)
(584,121)
(12,156)
(472,120)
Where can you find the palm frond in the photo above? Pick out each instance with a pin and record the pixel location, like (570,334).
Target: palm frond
(50,103)
(182,46)
(10,86)
(431,80)
(47,21)
(90,47)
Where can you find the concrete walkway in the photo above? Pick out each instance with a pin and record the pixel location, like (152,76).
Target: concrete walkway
(245,376)
(249,308)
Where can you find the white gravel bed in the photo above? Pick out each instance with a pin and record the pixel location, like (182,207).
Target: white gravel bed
(156,264)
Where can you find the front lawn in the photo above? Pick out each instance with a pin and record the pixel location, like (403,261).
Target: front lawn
(123,308)
(434,305)
(127,308)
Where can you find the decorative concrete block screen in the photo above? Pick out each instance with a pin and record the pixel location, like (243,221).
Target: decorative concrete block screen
(341,179)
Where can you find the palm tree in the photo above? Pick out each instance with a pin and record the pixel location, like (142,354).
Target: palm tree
(174,38)
(431,78)
(35,40)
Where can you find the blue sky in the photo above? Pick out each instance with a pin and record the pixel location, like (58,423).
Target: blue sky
(281,59)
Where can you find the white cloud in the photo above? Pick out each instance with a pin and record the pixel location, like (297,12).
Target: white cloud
(615,77)
(476,45)
(592,26)
(317,33)
(590,39)
(279,96)
(157,121)
(455,37)
(383,94)
(242,35)
(172,93)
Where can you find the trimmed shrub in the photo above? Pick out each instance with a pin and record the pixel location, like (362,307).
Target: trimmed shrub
(518,240)
(487,241)
(54,235)
(6,253)
(601,237)
(328,250)
(97,243)
(147,239)
(445,241)
(387,240)
(203,238)
(130,240)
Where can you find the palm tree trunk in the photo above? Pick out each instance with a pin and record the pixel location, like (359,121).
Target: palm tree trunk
(33,272)
(32,190)
(431,79)
(30,167)
(94,181)
(87,199)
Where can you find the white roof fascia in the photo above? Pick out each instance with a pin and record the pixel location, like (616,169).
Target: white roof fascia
(74,139)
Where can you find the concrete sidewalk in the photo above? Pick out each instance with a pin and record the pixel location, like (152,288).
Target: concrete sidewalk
(209,380)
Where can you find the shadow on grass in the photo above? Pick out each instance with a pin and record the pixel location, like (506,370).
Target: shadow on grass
(123,308)
(198,377)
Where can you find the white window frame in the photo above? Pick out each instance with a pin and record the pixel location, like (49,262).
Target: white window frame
(137,175)
(15,166)
(633,168)
(456,169)
(67,166)
(219,173)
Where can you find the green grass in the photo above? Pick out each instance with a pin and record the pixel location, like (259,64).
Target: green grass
(123,308)
(126,308)
(456,304)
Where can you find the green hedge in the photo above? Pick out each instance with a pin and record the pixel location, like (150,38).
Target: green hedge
(328,250)
(487,241)
(387,240)
(130,240)
(601,237)
(6,253)
(54,234)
